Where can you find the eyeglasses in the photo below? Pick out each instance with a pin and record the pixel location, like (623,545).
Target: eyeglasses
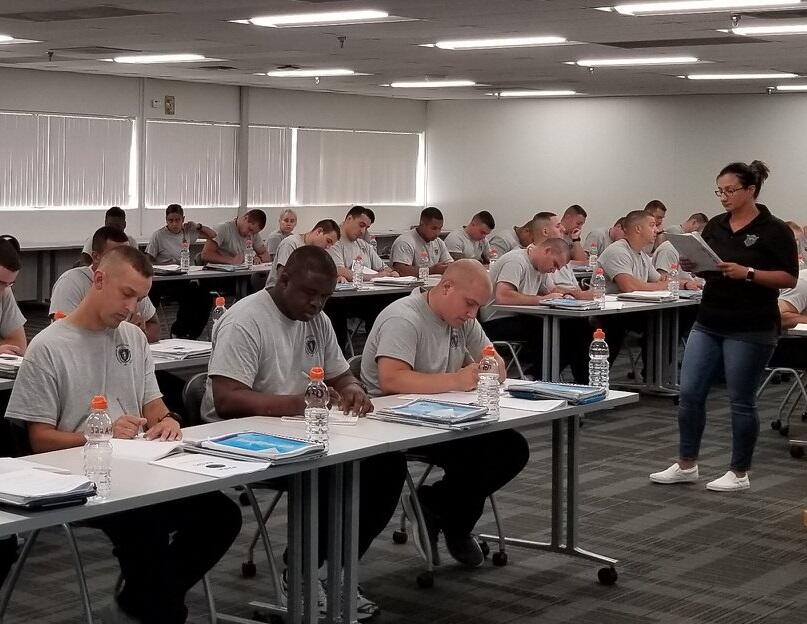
(728,192)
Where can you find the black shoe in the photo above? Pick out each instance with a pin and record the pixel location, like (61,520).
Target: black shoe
(465,549)
(423,535)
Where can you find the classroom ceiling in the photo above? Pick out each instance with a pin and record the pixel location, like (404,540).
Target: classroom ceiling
(81,33)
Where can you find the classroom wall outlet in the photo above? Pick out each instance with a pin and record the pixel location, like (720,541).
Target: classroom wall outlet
(170,105)
(155,103)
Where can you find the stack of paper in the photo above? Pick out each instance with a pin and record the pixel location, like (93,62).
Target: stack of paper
(227,268)
(573,393)
(428,412)
(32,488)
(649,296)
(174,349)
(262,266)
(167,269)
(396,281)
(571,304)
(274,449)
(9,365)
(696,250)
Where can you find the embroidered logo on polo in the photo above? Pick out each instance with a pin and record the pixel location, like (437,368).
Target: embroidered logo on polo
(310,345)
(750,239)
(455,339)
(124,354)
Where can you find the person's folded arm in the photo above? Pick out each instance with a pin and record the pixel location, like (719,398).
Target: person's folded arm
(44,437)
(407,270)
(233,399)
(397,377)
(507,294)
(211,252)
(16,340)
(627,283)
(790,315)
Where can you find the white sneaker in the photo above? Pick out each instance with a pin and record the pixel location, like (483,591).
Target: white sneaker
(674,474)
(729,482)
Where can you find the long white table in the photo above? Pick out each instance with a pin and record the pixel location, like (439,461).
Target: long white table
(662,337)
(135,484)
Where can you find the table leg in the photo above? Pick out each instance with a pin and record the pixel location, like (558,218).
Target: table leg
(546,348)
(40,276)
(335,524)
(350,549)
(554,336)
(310,547)
(295,548)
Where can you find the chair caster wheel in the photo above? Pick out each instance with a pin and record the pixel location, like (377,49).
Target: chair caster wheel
(399,537)
(499,559)
(607,576)
(785,431)
(776,425)
(425,580)
(249,569)
(797,452)
(244,499)
(485,548)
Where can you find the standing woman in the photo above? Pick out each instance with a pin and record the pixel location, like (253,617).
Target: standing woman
(738,323)
(286,223)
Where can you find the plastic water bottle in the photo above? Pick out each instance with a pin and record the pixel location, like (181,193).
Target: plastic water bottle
(423,268)
(592,258)
(493,255)
(98,448)
(316,407)
(358,273)
(598,287)
(598,361)
(673,281)
(487,388)
(218,312)
(184,257)
(249,254)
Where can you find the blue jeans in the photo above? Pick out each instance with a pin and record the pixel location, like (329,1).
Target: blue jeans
(744,363)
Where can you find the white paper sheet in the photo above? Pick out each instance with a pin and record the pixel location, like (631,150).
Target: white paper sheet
(209,465)
(140,449)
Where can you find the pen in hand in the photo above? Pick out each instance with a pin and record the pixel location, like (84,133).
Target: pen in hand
(123,413)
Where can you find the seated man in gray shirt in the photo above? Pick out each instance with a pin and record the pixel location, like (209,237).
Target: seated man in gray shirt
(194,300)
(115,217)
(471,241)
(231,239)
(323,235)
(598,239)
(430,342)
(73,285)
(421,246)
(263,348)
(163,549)
(508,239)
(12,322)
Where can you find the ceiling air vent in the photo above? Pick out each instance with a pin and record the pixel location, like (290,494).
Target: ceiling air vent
(82,13)
(102,51)
(776,15)
(682,43)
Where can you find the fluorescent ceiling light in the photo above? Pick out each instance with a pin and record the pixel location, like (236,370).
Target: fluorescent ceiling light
(308,73)
(502,42)
(699,6)
(787,29)
(432,84)
(6,38)
(318,19)
(791,88)
(768,76)
(533,93)
(160,58)
(626,62)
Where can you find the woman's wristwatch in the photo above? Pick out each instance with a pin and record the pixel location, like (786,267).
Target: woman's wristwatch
(749,277)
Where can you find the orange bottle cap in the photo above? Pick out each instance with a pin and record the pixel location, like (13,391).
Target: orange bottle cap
(673,266)
(58,315)
(599,334)
(316,374)
(599,271)
(219,301)
(489,351)
(98,402)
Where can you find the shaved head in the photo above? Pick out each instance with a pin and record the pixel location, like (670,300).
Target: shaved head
(463,289)
(467,273)
(123,256)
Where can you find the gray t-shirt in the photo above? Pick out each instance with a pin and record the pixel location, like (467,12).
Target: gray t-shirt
(564,277)
(65,366)
(504,240)
(408,330)
(231,242)
(256,344)
(344,252)
(164,246)
(287,245)
(11,318)
(674,229)
(599,239)
(460,243)
(273,241)
(515,268)
(408,249)
(87,249)
(797,297)
(619,258)
(71,287)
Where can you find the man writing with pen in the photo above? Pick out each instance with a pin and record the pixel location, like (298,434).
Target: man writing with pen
(163,550)
(263,348)
(428,343)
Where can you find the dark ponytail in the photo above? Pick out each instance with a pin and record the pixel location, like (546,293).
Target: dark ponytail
(749,175)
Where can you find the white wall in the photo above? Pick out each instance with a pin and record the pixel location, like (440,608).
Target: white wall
(610,155)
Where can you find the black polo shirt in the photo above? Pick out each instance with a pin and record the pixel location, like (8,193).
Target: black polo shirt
(766,244)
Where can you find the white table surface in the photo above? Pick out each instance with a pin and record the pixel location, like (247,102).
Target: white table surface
(627,307)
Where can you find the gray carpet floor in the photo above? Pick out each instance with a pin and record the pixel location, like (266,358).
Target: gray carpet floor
(687,556)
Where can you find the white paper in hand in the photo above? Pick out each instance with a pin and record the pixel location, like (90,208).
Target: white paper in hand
(692,247)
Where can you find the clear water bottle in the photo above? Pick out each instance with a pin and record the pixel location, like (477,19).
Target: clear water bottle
(487,388)
(358,272)
(674,281)
(598,287)
(598,361)
(423,266)
(98,448)
(493,255)
(592,258)
(249,254)
(218,311)
(316,407)
(184,257)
